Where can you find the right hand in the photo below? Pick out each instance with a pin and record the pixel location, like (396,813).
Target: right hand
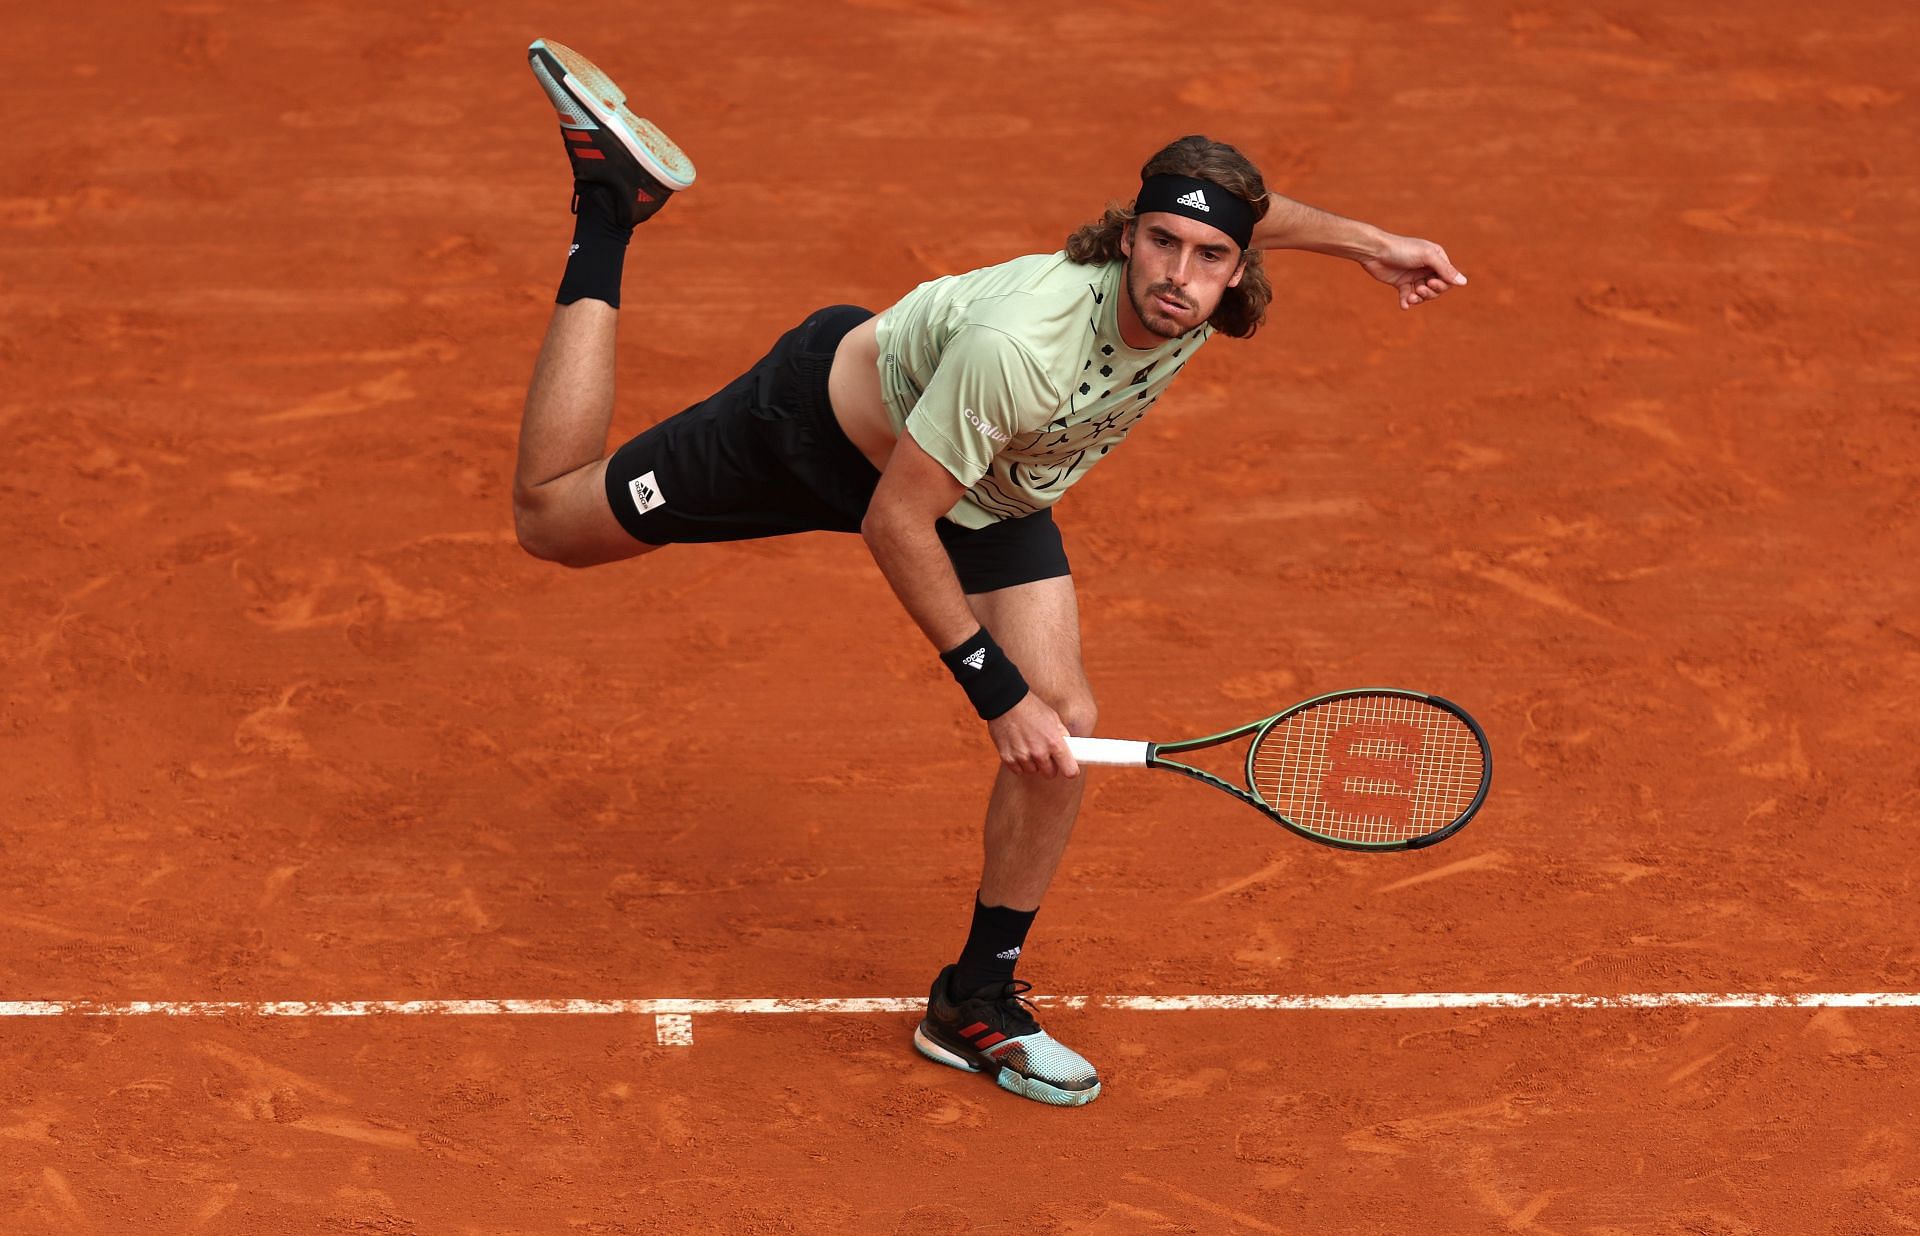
(1031,739)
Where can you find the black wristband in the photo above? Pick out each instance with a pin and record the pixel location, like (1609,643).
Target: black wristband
(990,680)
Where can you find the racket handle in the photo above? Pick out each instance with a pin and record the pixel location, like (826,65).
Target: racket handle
(1109,751)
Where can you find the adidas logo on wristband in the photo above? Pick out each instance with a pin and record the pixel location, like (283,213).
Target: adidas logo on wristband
(992,682)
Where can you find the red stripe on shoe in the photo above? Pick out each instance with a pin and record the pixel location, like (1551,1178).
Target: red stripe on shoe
(575,135)
(989,1041)
(974,1029)
(587,152)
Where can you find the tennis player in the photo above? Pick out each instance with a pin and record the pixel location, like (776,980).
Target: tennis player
(942,431)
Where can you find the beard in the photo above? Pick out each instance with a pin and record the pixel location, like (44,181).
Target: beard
(1151,315)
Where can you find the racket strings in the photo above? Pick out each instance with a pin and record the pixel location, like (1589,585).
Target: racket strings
(1369,769)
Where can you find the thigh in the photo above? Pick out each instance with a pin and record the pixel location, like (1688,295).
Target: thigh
(1003,554)
(752,460)
(706,474)
(1038,624)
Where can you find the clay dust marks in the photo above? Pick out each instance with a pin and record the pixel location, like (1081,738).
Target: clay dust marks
(1532,590)
(1272,870)
(1114,1219)
(1644,416)
(1238,1218)
(1750,724)
(1408,1134)
(1492,860)
(1837,1032)
(274,885)
(1740,220)
(389,388)
(1608,301)
(274,729)
(1485,1178)
(331,593)
(54,1200)
(218,1200)
(256,1089)
(40,925)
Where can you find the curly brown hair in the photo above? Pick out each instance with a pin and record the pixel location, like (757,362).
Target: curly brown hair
(1244,307)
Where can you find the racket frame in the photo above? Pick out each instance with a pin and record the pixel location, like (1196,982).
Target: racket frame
(1156,752)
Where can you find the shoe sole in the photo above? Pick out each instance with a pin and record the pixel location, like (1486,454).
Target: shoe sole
(604,103)
(1026,1087)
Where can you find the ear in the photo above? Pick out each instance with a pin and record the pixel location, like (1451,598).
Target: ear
(1126,238)
(1239,271)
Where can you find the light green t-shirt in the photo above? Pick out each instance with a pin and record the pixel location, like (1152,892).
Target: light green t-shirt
(1016,379)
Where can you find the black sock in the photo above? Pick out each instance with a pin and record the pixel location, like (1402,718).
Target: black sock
(599,253)
(993,947)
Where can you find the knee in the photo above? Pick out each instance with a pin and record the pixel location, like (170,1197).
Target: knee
(1077,710)
(536,531)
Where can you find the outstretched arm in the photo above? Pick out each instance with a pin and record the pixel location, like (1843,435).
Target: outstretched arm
(1418,270)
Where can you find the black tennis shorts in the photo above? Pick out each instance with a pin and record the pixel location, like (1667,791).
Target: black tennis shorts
(763,456)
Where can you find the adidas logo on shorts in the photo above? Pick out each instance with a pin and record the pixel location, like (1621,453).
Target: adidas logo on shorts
(646,492)
(1196,199)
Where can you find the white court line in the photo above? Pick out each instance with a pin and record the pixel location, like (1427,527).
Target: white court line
(891,1004)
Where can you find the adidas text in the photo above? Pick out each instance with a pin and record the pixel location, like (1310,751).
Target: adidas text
(1196,199)
(977,659)
(1010,954)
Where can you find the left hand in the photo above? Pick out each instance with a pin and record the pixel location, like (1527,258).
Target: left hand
(1418,270)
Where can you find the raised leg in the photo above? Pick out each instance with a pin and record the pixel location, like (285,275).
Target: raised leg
(624,170)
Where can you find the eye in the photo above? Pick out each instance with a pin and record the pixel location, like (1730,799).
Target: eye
(1163,242)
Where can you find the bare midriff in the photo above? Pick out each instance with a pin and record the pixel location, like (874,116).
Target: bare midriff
(853,387)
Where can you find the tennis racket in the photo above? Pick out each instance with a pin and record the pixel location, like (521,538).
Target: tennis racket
(1373,769)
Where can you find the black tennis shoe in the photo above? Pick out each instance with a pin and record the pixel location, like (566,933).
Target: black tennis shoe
(993,1031)
(606,143)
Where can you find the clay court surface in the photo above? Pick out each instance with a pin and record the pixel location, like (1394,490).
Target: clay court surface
(285,714)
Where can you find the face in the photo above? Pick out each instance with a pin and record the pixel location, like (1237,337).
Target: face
(1177,271)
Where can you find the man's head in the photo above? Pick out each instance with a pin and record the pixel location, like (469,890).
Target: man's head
(1186,263)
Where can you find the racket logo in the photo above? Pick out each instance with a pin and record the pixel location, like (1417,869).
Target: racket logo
(1373,771)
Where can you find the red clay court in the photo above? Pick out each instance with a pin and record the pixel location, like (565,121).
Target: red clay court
(285,714)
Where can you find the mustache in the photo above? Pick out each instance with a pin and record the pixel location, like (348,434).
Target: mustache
(1166,290)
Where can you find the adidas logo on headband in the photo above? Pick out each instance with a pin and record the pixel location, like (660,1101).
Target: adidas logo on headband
(1221,209)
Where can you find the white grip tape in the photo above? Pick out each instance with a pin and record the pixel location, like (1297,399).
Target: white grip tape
(1109,751)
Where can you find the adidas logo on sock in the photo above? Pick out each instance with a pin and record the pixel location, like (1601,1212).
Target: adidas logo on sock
(1010,954)
(977,659)
(1196,199)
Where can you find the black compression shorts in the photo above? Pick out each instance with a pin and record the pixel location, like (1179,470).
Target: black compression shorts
(763,456)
